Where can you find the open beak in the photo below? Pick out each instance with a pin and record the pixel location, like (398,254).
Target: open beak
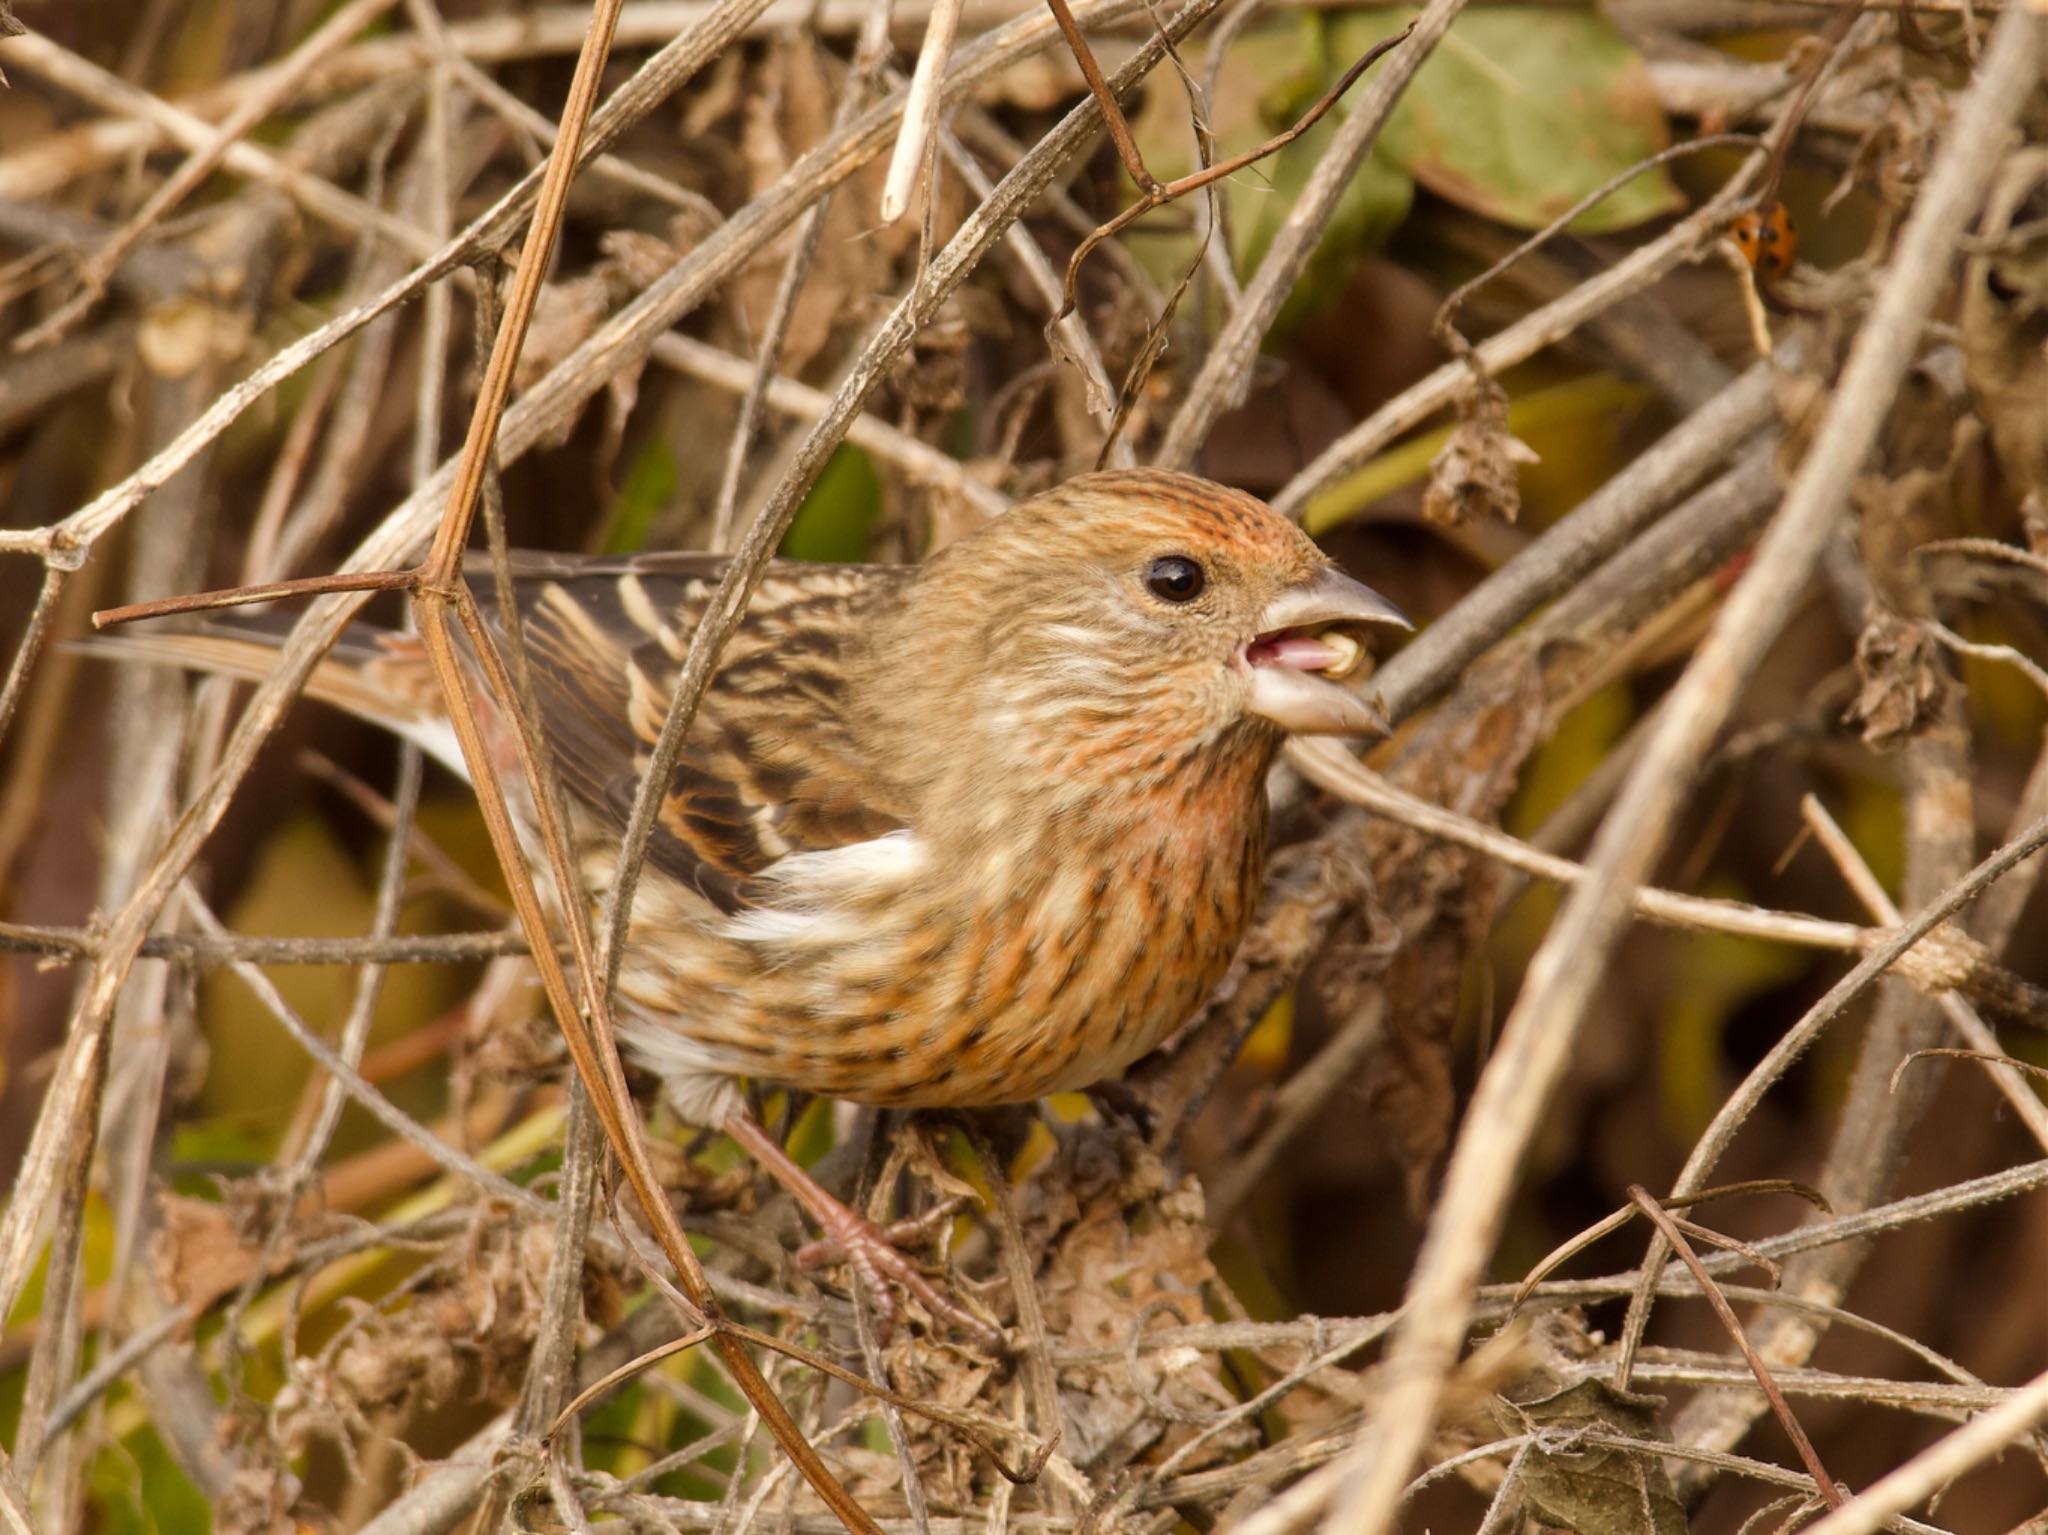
(1306,644)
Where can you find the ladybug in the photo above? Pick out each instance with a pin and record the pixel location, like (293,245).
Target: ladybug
(1767,240)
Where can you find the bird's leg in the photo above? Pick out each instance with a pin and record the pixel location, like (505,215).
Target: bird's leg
(870,1248)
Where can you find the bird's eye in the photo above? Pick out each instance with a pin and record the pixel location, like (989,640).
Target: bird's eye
(1175,578)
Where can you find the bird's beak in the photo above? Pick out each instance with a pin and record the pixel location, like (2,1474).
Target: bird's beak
(1306,643)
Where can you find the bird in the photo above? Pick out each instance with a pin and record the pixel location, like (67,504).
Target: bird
(960,833)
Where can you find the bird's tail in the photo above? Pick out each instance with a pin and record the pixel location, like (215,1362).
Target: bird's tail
(376,675)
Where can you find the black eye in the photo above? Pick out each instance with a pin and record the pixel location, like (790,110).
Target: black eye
(1175,578)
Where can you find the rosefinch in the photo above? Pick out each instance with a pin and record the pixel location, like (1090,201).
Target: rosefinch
(966,832)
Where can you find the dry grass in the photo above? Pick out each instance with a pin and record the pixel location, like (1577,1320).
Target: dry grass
(315,1230)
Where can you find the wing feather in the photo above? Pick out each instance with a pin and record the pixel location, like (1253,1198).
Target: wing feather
(770,768)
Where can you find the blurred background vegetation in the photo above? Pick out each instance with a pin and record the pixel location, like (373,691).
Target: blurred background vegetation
(401,1301)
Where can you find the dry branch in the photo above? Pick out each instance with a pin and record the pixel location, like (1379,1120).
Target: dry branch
(1153,1418)
(1536,1041)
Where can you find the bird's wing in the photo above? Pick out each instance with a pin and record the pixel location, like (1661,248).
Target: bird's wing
(769,768)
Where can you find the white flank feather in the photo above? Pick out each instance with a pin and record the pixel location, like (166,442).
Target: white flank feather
(818,896)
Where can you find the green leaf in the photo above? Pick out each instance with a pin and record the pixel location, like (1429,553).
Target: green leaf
(136,1488)
(1269,76)
(1579,743)
(1521,111)
(650,486)
(814,1134)
(205,1147)
(1369,209)
(98,1242)
(306,879)
(839,513)
(1518,113)
(1713,977)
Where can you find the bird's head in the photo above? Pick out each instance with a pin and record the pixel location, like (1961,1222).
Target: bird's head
(1127,620)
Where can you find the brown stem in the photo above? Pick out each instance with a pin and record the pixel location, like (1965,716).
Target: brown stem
(1194,181)
(268,591)
(587,1029)
(1157,193)
(1105,98)
(30,648)
(1661,1219)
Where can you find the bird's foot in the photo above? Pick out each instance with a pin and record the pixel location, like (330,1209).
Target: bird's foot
(876,1254)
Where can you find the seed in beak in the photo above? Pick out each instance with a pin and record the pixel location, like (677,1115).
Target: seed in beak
(1349,653)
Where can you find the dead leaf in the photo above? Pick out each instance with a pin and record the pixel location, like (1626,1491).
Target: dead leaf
(1443,901)
(467,1334)
(10,26)
(259,1501)
(383,1370)
(640,258)
(1600,1489)
(1476,474)
(1592,1489)
(2004,323)
(563,319)
(783,117)
(1895,516)
(1128,1253)
(197,1253)
(721,89)
(1905,679)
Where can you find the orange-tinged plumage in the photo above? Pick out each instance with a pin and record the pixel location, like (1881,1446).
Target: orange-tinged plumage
(962,833)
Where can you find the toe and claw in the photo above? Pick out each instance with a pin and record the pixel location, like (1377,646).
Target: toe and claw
(874,1252)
